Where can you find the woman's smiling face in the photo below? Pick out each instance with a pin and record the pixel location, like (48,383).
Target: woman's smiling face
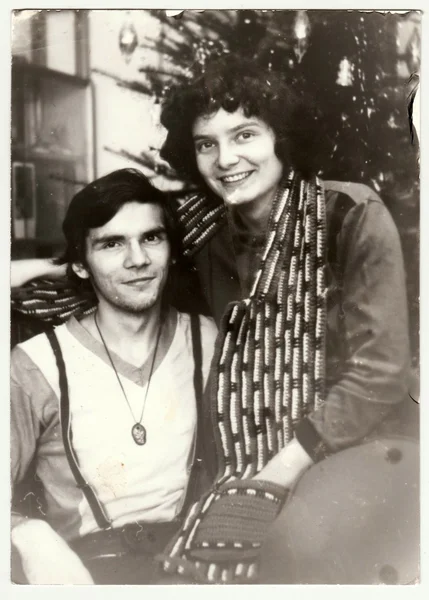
(236,157)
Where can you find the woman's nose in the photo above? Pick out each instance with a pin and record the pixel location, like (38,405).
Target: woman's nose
(227,156)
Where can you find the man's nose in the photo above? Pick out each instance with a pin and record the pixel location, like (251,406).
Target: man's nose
(136,256)
(227,156)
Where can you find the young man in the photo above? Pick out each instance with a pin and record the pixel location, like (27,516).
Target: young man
(306,281)
(114,432)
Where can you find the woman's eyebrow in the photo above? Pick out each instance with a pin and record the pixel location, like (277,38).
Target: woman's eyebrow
(202,136)
(244,125)
(234,129)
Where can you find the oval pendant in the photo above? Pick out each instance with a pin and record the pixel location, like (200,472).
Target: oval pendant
(139,434)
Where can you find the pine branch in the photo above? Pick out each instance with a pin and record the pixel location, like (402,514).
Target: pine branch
(135,86)
(146,161)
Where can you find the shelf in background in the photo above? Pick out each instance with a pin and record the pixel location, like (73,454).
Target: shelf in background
(36,248)
(51,128)
(26,153)
(39,241)
(20,67)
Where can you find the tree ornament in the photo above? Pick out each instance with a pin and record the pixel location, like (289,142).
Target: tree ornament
(345,73)
(128,40)
(301,33)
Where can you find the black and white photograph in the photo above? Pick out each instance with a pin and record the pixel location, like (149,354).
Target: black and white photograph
(214,297)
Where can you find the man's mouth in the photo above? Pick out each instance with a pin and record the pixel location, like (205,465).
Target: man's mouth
(236,177)
(138,280)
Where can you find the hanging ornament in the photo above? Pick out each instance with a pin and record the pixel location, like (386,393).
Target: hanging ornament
(301,31)
(345,73)
(375,185)
(201,55)
(392,122)
(128,40)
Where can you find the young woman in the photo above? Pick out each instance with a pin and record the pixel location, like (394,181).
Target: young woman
(306,281)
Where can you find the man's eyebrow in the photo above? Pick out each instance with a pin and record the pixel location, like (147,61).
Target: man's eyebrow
(104,239)
(232,130)
(154,230)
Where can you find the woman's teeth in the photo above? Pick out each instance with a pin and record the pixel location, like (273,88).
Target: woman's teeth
(234,178)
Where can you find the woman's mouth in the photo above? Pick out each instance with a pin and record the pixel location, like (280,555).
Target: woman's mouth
(235,178)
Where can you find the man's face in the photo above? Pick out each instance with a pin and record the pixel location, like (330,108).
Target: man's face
(235,156)
(128,258)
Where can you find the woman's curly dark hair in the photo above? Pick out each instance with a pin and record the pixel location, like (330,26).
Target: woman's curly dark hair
(232,83)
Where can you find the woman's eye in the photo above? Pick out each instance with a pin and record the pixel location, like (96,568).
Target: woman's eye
(245,135)
(204,146)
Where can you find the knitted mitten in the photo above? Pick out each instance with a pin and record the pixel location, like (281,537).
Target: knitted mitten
(224,543)
(236,523)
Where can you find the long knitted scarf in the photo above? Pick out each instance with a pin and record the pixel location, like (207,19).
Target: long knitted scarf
(269,364)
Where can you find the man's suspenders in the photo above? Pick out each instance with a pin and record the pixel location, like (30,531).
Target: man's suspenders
(199,390)
(99,513)
(198,358)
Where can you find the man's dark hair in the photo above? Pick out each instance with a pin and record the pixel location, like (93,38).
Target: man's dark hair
(232,83)
(98,202)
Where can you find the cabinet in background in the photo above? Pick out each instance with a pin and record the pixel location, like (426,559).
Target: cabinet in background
(51,132)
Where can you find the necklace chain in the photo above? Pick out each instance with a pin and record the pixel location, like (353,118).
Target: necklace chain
(137,422)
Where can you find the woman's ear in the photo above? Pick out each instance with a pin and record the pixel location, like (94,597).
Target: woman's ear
(80,270)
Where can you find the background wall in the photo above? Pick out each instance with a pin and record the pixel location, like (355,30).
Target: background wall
(127,120)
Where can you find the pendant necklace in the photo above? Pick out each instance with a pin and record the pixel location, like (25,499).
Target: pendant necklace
(138,431)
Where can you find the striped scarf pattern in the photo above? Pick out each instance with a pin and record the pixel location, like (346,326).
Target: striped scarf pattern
(269,364)
(52,301)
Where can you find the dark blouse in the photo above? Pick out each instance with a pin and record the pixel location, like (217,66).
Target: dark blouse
(367,352)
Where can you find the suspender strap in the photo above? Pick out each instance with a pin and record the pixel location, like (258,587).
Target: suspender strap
(194,481)
(99,514)
(198,358)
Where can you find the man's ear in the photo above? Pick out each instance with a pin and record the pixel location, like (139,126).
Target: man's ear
(80,270)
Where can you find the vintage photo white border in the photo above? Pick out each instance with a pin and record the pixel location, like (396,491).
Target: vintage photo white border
(249,592)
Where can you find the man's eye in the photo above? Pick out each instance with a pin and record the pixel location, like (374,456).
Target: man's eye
(153,238)
(109,245)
